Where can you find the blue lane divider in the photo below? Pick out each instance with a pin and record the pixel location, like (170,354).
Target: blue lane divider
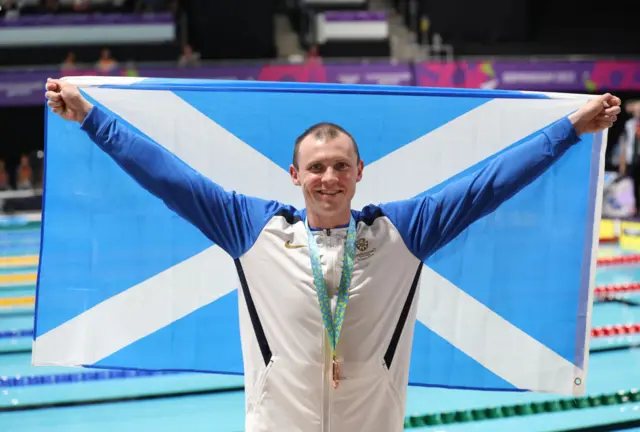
(25,381)
(10,334)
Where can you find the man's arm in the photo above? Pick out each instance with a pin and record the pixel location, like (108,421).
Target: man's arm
(231,220)
(428,223)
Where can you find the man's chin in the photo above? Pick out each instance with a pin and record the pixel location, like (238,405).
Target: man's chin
(331,207)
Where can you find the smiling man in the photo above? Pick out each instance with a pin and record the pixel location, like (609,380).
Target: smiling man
(327,173)
(327,292)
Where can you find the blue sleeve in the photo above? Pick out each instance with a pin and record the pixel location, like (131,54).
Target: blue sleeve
(231,220)
(427,223)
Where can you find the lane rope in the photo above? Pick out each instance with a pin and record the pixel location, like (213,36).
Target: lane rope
(625,288)
(414,421)
(615,330)
(13,278)
(17,301)
(522,410)
(19,261)
(33,380)
(621,259)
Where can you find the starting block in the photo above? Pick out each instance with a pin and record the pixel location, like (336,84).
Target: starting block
(609,230)
(630,235)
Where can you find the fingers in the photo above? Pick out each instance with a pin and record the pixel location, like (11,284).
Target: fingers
(53,96)
(614,101)
(613,111)
(604,121)
(55,102)
(56,108)
(55,105)
(606,117)
(605,108)
(604,125)
(53,84)
(610,101)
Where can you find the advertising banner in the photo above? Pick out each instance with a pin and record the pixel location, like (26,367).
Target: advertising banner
(564,76)
(19,88)
(27,88)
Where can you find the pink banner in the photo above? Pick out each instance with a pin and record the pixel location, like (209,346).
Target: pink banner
(564,76)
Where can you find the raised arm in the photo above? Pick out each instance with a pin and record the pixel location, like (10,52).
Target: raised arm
(232,221)
(428,223)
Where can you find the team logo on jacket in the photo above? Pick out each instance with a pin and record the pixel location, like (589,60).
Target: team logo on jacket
(362,244)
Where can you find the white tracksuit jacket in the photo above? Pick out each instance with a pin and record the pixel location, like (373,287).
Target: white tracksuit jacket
(287,357)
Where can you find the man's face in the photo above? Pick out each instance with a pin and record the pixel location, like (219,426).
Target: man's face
(328,171)
(633,108)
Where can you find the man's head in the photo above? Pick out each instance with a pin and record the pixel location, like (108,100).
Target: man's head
(633,108)
(327,165)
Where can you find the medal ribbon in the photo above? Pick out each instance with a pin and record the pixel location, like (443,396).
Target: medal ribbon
(333,322)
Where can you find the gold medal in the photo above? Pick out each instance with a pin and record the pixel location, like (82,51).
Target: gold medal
(336,373)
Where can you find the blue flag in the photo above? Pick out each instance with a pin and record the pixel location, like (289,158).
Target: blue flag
(124,282)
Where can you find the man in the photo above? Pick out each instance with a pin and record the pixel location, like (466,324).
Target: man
(627,148)
(313,362)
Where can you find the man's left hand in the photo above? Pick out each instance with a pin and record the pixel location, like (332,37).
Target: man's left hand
(598,114)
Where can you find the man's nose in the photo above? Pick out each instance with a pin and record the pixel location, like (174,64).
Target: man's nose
(329,175)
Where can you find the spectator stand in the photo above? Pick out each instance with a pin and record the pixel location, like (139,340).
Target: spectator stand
(103,31)
(341,28)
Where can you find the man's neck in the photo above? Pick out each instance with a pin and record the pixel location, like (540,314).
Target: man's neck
(328,222)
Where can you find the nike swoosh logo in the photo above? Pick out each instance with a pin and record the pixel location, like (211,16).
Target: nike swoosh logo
(288,245)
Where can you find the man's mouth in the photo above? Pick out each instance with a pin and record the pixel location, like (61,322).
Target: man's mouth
(329,193)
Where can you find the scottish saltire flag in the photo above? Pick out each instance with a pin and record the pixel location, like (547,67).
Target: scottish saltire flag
(126,283)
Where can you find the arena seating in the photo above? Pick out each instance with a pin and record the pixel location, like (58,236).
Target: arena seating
(35,35)
(341,28)
(524,27)
(352,34)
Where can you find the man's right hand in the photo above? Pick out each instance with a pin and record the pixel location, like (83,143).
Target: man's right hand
(66,100)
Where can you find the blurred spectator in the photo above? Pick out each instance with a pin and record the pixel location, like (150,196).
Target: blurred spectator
(189,58)
(627,151)
(69,63)
(24,173)
(37,169)
(4,177)
(312,53)
(628,148)
(151,5)
(9,9)
(81,5)
(313,57)
(106,63)
(131,70)
(50,6)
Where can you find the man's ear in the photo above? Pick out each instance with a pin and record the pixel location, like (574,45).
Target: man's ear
(294,175)
(360,170)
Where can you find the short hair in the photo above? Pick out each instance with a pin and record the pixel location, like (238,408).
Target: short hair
(324,130)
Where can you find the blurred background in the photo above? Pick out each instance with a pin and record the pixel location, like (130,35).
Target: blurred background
(541,45)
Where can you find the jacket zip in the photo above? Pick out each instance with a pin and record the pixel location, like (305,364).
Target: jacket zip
(326,396)
(333,275)
(329,392)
